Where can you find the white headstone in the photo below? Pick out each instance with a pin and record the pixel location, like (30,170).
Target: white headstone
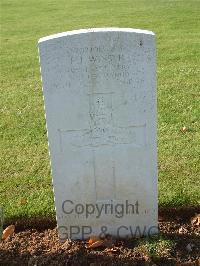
(99,90)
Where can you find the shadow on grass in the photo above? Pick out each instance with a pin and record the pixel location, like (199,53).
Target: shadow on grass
(183,213)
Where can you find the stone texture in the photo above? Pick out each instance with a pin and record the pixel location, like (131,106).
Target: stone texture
(99,89)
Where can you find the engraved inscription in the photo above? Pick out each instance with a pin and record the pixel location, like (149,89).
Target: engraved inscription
(103,130)
(109,65)
(86,64)
(102,133)
(100,136)
(100,103)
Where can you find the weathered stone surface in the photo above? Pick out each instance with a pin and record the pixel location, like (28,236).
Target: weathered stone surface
(99,89)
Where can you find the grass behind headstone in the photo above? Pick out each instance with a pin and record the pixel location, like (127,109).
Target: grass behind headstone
(25,180)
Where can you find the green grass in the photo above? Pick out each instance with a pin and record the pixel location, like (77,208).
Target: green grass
(25,170)
(155,247)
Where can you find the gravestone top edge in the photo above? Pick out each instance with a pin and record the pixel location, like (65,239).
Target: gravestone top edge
(95,30)
(99,90)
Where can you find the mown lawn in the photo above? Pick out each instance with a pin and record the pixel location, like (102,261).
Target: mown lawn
(25,178)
